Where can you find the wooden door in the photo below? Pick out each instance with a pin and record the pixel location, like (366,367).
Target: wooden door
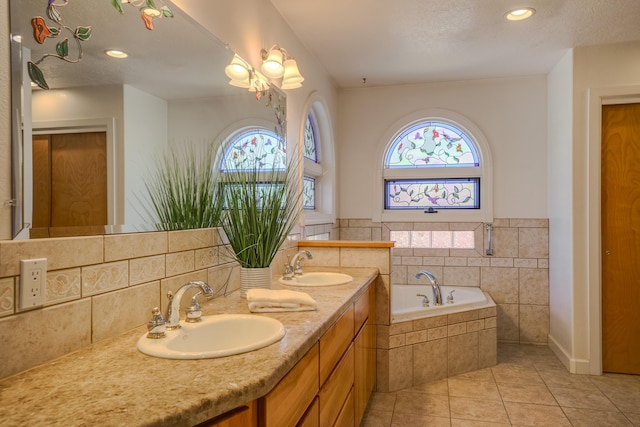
(621,238)
(70,180)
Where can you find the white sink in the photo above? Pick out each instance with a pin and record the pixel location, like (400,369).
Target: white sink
(319,278)
(215,336)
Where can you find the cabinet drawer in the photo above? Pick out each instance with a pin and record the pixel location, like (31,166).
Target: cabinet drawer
(346,416)
(362,308)
(312,417)
(288,401)
(335,391)
(334,343)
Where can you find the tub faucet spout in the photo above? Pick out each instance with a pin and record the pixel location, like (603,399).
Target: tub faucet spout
(435,286)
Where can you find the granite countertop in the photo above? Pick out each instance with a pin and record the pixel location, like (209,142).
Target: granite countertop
(110,383)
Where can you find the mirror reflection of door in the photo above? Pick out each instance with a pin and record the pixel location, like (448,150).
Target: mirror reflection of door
(69,184)
(621,238)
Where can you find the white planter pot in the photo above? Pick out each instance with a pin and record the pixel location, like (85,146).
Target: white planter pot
(254,278)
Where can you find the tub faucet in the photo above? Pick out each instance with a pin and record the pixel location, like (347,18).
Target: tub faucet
(295,262)
(173,308)
(435,286)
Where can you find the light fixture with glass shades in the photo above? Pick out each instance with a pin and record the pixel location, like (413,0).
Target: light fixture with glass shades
(243,75)
(520,14)
(277,63)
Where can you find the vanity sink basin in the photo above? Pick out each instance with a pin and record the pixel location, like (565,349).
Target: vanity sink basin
(319,278)
(215,336)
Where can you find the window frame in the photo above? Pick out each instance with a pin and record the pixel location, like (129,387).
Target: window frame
(484,172)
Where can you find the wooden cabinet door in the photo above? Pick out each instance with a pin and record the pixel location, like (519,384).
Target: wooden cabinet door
(244,416)
(289,400)
(335,391)
(621,238)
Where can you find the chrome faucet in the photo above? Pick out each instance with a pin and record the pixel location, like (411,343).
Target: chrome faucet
(295,262)
(435,286)
(173,308)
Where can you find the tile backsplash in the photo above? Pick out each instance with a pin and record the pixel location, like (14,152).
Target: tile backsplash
(100,286)
(516,276)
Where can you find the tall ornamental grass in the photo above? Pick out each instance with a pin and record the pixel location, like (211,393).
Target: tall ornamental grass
(260,210)
(183,191)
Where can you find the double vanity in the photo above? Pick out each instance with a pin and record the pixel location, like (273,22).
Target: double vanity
(320,372)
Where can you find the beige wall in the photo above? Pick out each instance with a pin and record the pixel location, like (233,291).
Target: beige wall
(510,113)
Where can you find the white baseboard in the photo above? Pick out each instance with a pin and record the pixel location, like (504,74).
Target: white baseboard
(575,366)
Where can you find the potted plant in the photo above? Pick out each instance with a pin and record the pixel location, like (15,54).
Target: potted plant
(182,191)
(261,207)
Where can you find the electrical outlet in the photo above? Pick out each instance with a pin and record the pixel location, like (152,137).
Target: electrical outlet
(33,279)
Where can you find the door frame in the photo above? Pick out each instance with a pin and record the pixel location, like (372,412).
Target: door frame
(597,97)
(81,126)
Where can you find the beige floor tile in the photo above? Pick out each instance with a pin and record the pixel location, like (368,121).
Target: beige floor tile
(479,375)
(473,389)
(373,418)
(592,418)
(562,378)
(478,410)
(410,420)
(510,373)
(626,400)
(408,402)
(528,414)
(469,423)
(530,387)
(634,418)
(526,393)
(587,399)
(433,387)
(382,401)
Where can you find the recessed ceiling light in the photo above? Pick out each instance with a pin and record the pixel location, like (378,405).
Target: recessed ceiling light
(116,53)
(520,14)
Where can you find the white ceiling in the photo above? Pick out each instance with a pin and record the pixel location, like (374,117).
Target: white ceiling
(415,41)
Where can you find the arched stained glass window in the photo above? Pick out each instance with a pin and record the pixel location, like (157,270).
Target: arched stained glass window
(255,148)
(432,165)
(432,144)
(309,143)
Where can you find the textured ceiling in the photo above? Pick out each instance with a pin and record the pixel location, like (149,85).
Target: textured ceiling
(415,41)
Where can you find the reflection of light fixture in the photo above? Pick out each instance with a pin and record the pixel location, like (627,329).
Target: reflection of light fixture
(114,53)
(277,63)
(239,72)
(243,75)
(148,10)
(520,14)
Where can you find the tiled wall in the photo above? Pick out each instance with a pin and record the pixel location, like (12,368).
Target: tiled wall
(516,276)
(417,351)
(100,286)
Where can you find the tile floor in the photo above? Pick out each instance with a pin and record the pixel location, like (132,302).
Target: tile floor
(528,387)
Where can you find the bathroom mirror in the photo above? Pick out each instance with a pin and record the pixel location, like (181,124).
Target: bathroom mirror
(170,90)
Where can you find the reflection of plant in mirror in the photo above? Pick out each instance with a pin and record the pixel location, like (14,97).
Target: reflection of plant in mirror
(261,209)
(183,190)
(41,31)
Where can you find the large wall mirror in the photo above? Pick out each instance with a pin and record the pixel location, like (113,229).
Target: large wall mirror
(108,120)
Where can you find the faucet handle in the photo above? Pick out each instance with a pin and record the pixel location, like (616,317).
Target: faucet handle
(288,270)
(450,297)
(194,311)
(425,300)
(157,325)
